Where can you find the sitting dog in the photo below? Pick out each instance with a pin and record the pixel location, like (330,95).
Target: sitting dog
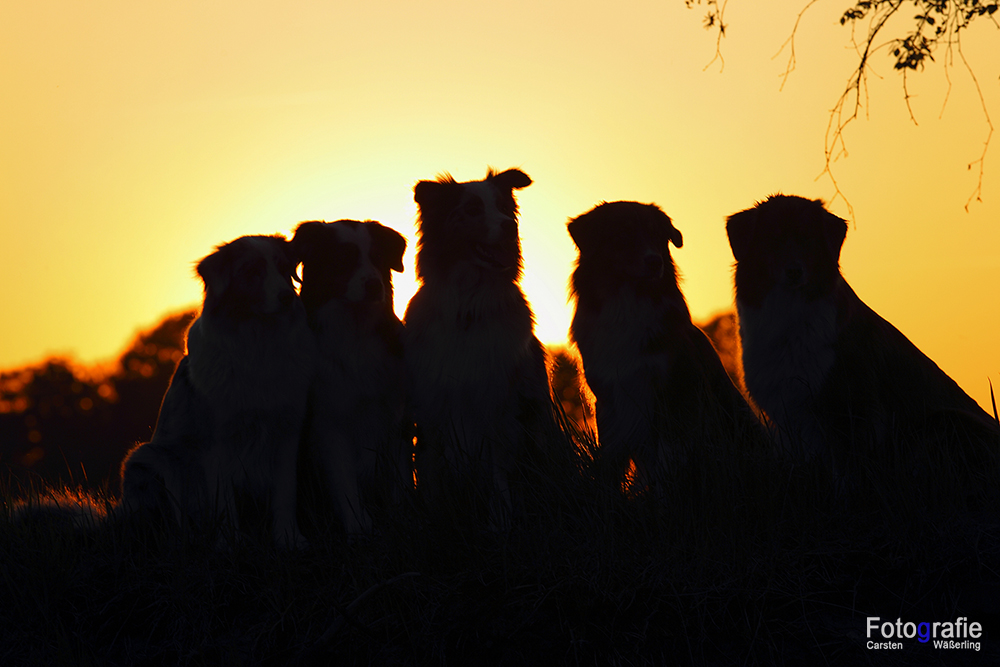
(356,438)
(660,386)
(477,373)
(226,441)
(836,379)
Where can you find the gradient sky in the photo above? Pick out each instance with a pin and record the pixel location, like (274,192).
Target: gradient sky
(135,137)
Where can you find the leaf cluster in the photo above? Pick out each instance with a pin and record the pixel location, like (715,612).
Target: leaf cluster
(713,15)
(936,21)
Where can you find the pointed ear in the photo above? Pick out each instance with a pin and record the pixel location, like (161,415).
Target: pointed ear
(740,228)
(512,179)
(834,231)
(392,242)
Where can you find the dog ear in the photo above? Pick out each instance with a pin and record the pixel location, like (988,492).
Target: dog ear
(425,192)
(302,244)
(659,220)
(216,268)
(512,179)
(675,237)
(585,229)
(440,195)
(739,228)
(834,230)
(673,234)
(290,267)
(392,242)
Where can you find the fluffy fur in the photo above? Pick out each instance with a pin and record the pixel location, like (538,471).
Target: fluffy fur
(356,439)
(226,441)
(835,377)
(477,372)
(659,383)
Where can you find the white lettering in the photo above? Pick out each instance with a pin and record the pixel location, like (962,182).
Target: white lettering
(925,631)
(951,644)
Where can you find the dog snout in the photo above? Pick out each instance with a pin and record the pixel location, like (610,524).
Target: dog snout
(653,265)
(794,275)
(508,229)
(373,290)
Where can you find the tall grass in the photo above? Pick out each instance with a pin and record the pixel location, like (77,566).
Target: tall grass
(745,558)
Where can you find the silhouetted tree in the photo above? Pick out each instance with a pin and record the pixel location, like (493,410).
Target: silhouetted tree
(725,335)
(63,424)
(935,25)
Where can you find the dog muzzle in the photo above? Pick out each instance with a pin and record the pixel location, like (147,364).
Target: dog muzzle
(498,256)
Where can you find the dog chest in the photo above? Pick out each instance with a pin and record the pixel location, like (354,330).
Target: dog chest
(452,340)
(442,354)
(253,367)
(616,339)
(788,348)
(357,357)
(347,376)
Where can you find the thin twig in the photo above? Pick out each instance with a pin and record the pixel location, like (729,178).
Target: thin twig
(858,84)
(719,16)
(790,43)
(977,193)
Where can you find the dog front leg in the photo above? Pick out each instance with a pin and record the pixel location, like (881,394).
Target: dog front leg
(340,473)
(501,502)
(285,528)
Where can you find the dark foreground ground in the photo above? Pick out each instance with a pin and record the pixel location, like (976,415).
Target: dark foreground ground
(745,560)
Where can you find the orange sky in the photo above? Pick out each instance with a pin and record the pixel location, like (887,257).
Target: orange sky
(135,137)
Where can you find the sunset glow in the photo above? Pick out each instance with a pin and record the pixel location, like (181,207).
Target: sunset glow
(137,137)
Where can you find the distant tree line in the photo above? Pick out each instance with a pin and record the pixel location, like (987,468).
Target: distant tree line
(65,425)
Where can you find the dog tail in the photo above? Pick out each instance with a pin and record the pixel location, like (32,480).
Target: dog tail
(62,508)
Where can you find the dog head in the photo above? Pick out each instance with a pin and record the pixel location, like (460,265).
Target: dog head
(249,277)
(473,222)
(347,260)
(787,243)
(625,241)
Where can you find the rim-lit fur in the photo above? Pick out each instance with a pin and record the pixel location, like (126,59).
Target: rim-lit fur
(228,432)
(470,228)
(476,370)
(660,386)
(836,378)
(358,449)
